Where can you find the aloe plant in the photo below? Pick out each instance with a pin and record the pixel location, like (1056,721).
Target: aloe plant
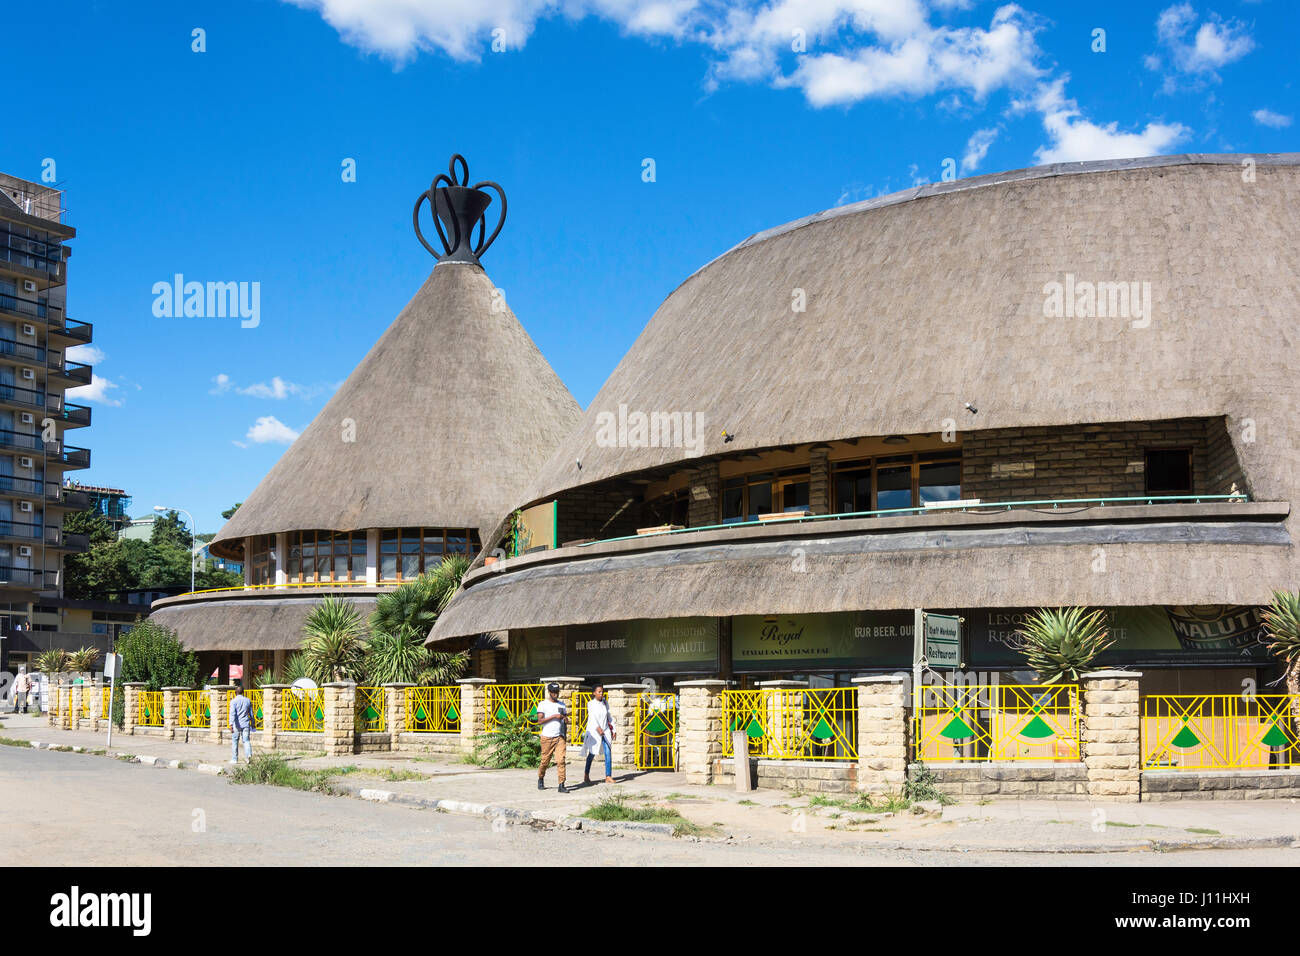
(1060,644)
(83,659)
(1282,636)
(334,645)
(53,661)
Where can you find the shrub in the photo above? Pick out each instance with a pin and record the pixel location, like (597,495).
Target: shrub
(511,746)
(151,653)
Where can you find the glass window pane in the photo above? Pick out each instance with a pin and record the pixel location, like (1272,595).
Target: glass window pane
(894,488)
(456,542)
(845,501)
(733,501)
(760,500)
(795,496)
(359,544)
(410,541)
(309,568)
(340,567)
(410,566)
(388,567)
(940,482)
(388,544)
(433,541)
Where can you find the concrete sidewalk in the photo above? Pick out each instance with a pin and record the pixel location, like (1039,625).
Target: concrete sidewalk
(767,816)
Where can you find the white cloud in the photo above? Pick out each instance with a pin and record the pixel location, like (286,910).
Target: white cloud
(278,388)
(1269,118)
(99,391)
(270,429)
(1197,51)
(1074,138)
(977,147)
(852,49)
(85,353)
(222,384)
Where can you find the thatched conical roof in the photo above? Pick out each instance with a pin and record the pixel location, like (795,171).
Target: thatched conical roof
(451,413)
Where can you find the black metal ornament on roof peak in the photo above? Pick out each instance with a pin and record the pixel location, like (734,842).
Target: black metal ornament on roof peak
(457,208)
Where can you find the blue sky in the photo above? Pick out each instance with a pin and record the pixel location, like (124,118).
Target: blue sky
(225,164)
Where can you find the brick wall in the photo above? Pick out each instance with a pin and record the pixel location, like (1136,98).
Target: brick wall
(705,501)
(1092,461)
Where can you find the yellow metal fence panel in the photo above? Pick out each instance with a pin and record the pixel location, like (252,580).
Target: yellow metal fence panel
(656,732)
(150,709)
(86,693)
(793,724)
(196,709)
(371,710)
(997,722)
(505,702)
(254,698)
(1220,732)
(105,694)
(302,710)
(433,710)
(578,717)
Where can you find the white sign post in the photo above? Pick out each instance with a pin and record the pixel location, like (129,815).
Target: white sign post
(112,665)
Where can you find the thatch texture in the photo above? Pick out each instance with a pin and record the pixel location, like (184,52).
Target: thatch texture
(452,411)
(1019,559)
(920,302)
(254,622)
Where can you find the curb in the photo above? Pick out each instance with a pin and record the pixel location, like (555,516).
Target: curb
(507,814)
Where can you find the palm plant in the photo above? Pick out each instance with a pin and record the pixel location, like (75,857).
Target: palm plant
(83,659)
(1060,644)
(53,661)
(334,645)
(1282,636)
(401,622)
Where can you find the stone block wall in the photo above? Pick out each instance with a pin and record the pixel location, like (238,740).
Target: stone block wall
(1164,785)
(704,496)
(1092,461)
(883,720)
(1112,746)
(699,728)
(1056,780)
(805,776)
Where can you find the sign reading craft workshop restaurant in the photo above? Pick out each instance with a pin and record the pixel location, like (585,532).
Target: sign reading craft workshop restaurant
(940,640)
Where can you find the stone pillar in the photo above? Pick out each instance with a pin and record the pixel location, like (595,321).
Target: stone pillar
(568,687)
(699,728)
(51,712)
(395,702)
(96,705)
(622,700)
(1112,726)
(473,710)
(704,506)
(65,702)
(882,732)
(220,711)
(171,697)
(340,706)
(75,693)
(819,480)
(784,709)
(272,701)
(131,705)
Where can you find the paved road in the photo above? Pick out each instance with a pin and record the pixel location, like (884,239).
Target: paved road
(78,810)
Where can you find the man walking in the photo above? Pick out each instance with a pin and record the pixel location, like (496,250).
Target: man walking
(241,725)
(22,685)
(552,718)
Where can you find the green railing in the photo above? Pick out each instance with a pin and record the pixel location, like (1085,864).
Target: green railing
(937,508)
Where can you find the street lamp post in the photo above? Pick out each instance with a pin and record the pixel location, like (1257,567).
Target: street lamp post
(194,537)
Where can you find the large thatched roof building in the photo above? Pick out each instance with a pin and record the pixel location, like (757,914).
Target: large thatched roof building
(421,452)
(1056,386)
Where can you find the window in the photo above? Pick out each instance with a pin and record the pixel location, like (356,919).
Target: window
(748,496)
(406,553)
(895,482)
(262,565)
(325,556)
(1169,471)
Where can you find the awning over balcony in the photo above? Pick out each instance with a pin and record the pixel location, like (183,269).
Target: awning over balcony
(1155,555)
(256,622)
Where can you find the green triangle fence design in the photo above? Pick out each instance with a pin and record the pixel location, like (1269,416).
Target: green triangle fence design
(755,730)
(656,727)
(823,730)
(452,714)
(1037,729)
(420,715)
(319,714)
(1276,737)
(957,729)
(370,714)
(503,715)
(1185,739)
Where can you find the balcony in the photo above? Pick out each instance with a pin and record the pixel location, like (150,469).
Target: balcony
(20,487)
(68,498)
(69,455)
(22,441)
(22,397)
(28,577)
(27,308)
(21,350)
(55,538)
(74,416)
(77,372)
(71,328)
(25,531)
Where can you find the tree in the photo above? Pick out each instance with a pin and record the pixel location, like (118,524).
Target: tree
(152,653)
(170,530)
(90,523)
(230,512)
(400,624)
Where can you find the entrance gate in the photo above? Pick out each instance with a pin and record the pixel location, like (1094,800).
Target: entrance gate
(656,732)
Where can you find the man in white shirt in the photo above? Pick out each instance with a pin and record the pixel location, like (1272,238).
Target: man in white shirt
(551,718)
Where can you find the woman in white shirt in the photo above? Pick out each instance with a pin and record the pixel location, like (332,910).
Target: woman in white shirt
(598,735)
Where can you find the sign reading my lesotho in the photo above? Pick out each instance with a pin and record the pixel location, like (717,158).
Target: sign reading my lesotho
(941,634)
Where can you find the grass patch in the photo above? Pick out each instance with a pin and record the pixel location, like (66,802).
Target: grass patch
(1117,823)
(276,771)
(11,742)
(396,776)
(1203,830)
(746,803)
(617,808)
(863,803)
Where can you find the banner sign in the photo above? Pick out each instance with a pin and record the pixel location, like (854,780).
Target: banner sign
(536,528)
(941,640)
(671,646)
(846,639)
(536,652)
